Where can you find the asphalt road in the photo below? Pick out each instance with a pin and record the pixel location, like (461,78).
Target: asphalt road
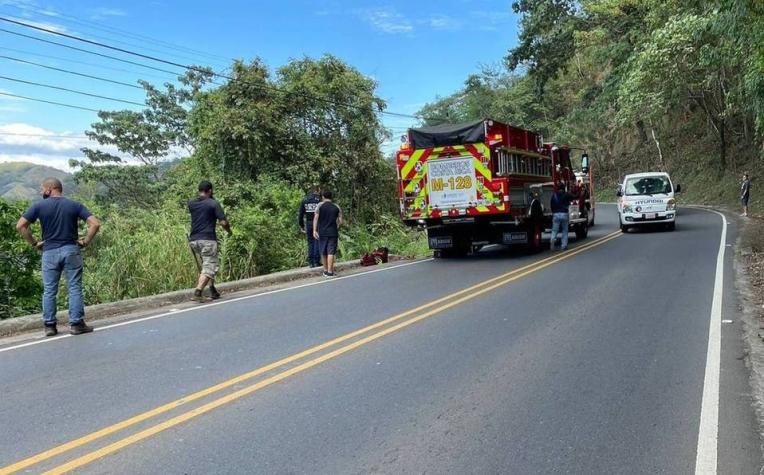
(590,361)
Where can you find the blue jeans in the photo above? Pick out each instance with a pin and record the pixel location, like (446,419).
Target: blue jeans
(314,256)
(560,223)
(66,259)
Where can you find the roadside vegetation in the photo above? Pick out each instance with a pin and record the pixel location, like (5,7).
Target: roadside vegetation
(649,84)
(263,138)
(676,86)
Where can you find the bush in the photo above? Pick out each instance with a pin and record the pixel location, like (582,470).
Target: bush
(20,283)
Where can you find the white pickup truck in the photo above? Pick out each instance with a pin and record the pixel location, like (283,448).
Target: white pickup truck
(647,199)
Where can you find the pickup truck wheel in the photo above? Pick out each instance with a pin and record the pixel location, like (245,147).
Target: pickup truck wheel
(671,226)
(582,230)
(624,228)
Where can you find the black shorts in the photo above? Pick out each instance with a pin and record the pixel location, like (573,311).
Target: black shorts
(744,200)
(327,245)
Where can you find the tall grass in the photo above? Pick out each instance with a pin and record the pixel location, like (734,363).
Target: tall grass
(148,253)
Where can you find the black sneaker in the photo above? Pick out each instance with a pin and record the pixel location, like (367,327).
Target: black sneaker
(197,296)
(214,294)
(328,274)
(51,330)
(80,328)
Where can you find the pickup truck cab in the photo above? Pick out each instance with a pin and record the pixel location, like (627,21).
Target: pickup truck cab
(647,199)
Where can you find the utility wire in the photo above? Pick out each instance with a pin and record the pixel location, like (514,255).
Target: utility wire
(52,68)
(85,63)
(120,32)
(73,91)
(82,50)
(51,136)
(172,63)
(48,102)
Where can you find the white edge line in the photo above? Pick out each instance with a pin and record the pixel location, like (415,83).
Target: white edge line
(215,304)
(708,432)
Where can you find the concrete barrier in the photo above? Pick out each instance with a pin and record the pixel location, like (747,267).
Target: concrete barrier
(13,326)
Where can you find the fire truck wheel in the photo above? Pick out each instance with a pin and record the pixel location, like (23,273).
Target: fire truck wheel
(582,230)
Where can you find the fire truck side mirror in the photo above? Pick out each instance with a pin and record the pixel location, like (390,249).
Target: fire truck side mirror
(585,163)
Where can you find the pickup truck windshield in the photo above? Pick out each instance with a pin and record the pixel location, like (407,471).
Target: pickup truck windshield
(649,185)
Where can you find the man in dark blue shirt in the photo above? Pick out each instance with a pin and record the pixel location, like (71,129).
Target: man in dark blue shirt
(206,213)
(560,203)
(59,217)
(305,215)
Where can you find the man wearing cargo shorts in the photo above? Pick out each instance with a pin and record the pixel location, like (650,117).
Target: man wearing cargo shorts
(206,213)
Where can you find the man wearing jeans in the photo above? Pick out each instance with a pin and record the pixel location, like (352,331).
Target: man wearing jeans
(59,217)
(560,215)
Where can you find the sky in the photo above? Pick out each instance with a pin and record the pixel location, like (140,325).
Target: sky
(415,50)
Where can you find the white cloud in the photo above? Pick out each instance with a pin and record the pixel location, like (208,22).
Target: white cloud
(387,20)
(42,24)
(442,22)
(56,161)
(20,142)
(25,139)
(106,12)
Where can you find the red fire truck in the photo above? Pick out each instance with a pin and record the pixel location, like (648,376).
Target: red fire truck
(482,183)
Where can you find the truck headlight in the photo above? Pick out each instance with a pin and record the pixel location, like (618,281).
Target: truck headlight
(627,208)
(671,205)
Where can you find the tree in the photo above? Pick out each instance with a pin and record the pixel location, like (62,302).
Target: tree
(143,139)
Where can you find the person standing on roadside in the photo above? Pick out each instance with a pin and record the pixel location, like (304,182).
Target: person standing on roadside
(745,193)
(561,200)
(61,252)
(305,220)
(326,223)
(206,213)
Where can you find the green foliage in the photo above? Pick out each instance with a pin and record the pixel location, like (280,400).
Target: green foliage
(19,266)
(640,84)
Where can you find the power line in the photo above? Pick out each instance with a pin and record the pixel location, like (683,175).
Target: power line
(85,63)
(52,68)
(48,102)
(82,50)
(121,32)
(173,63)
(73,91)
(52,136)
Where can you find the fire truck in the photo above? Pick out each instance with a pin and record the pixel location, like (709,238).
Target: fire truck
(485,182)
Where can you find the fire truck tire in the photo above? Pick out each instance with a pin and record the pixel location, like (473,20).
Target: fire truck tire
(582,230)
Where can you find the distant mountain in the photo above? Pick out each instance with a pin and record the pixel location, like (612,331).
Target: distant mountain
(21,180)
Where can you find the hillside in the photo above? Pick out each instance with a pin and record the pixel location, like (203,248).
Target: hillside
(21,180)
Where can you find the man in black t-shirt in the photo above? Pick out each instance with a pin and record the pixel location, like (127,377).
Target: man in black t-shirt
(326,223)
(206,213)
(59,217)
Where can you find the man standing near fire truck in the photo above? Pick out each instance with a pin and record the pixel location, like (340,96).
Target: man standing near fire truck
(560,202)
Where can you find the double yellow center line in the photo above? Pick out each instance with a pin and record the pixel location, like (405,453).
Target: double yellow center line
(392,324)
